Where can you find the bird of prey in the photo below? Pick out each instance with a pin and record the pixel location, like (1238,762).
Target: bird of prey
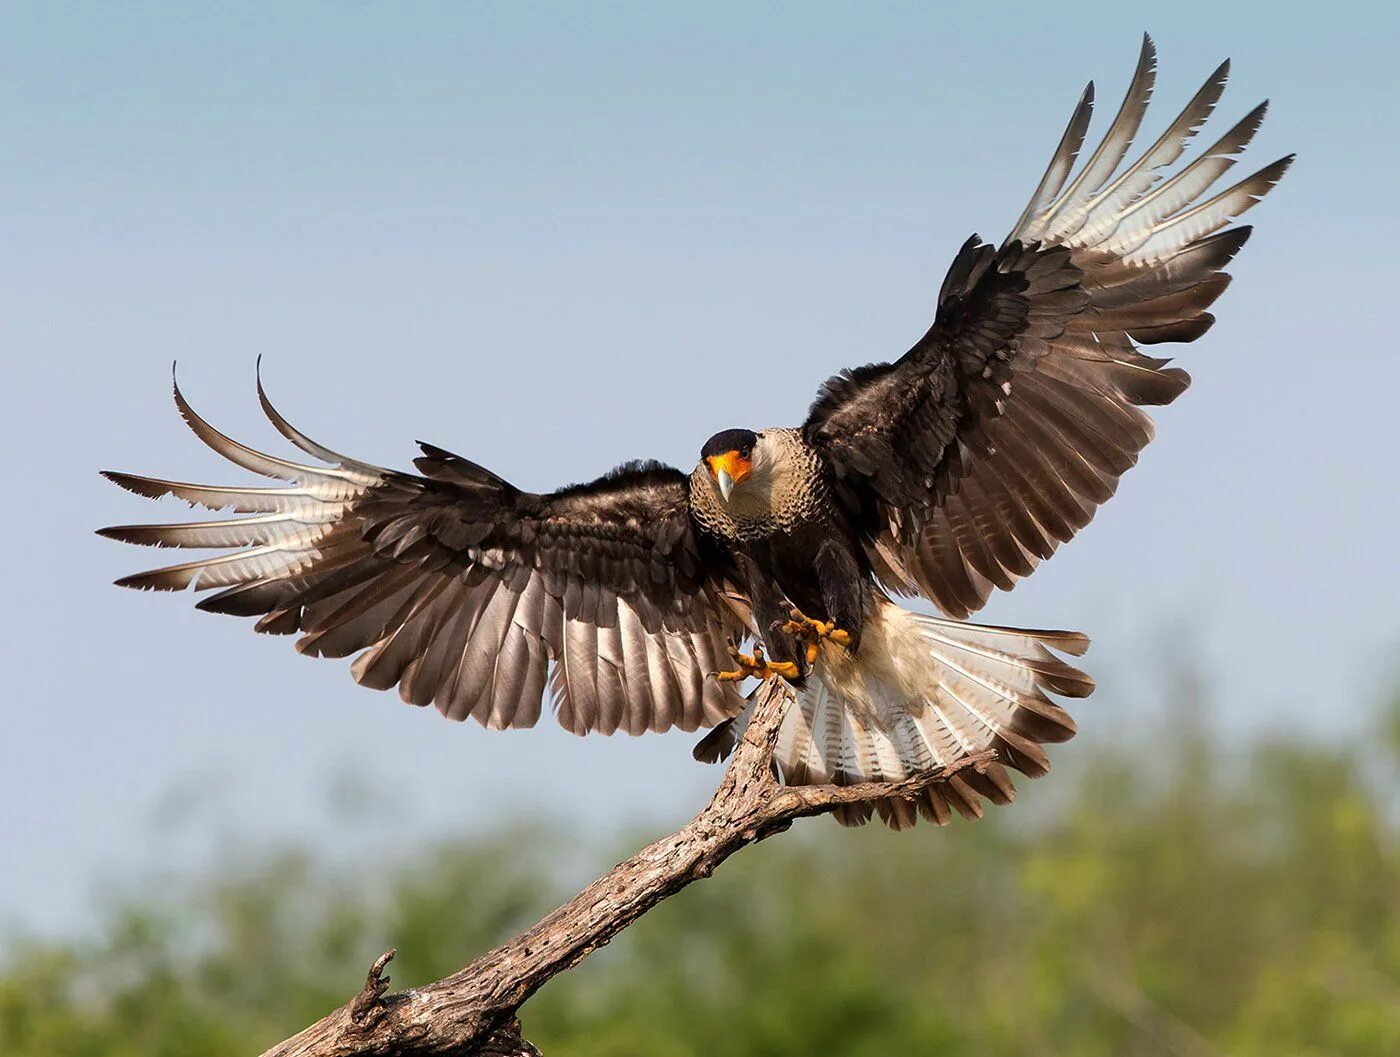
(943,474)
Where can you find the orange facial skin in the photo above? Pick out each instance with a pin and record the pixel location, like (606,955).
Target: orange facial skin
(731,462)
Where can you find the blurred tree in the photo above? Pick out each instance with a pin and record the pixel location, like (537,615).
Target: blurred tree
(1215,900)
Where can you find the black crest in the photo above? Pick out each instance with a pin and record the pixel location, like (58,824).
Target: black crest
(740,440)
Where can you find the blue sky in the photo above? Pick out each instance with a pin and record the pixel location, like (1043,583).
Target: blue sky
(541,235)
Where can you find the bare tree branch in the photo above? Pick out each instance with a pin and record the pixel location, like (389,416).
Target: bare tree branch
(473,1011)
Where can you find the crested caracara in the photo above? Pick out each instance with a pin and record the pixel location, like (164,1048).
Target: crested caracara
(948,472)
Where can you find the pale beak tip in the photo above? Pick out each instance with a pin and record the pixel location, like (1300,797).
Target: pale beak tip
(726,484)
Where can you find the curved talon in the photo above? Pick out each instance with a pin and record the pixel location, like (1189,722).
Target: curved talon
(813,631)
(757,665)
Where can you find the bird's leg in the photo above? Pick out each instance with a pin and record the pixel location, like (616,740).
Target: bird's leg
(812,632)
(757,665)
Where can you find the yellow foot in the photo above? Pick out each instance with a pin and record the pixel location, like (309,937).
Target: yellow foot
(756,665)
(813,632)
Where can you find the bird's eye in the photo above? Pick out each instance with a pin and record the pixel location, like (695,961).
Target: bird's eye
(743,453)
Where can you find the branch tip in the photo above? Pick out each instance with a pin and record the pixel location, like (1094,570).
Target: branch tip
(367,1002)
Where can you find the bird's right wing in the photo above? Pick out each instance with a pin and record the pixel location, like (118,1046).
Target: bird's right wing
(462,589)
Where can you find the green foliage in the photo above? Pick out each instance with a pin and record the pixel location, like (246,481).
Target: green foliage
(1213,901)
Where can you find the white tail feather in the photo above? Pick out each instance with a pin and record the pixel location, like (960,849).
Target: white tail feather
(925,692)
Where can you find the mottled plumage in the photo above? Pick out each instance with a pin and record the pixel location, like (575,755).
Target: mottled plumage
(948,472)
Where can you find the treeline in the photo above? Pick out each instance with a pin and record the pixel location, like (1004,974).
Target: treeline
(1181,897)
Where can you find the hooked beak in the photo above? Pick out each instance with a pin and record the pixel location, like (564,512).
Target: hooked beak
(729,470)
(725,482)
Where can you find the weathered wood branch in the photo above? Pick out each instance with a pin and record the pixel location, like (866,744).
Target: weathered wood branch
(473,1011)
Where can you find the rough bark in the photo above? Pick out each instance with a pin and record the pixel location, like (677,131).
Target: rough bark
(472,1012)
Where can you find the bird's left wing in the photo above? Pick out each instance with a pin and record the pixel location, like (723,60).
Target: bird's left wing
(997,436)
(463,590)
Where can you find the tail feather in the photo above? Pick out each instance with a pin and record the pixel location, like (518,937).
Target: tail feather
(923,693)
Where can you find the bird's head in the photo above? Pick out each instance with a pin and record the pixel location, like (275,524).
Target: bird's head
(730,458)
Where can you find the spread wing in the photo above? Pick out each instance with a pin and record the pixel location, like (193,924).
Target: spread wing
(463,590)
(997,436)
